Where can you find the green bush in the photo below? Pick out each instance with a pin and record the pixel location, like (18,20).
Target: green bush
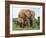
(37,23)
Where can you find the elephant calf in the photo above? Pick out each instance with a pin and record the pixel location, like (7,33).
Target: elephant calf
(20,22)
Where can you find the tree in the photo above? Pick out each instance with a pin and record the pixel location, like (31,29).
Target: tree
(38,21)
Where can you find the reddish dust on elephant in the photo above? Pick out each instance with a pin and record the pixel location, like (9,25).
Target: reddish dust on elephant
(26,17)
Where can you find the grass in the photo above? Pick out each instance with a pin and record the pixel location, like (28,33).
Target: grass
(17,27)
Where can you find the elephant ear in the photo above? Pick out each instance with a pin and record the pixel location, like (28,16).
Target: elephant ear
(21,15)
(27,13)
(31,13)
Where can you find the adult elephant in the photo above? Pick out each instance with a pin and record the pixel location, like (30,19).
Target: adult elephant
(27,14)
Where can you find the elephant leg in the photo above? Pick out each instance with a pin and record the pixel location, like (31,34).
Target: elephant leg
(32,21)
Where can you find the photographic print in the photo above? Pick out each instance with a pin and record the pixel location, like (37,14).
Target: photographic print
(25,18)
